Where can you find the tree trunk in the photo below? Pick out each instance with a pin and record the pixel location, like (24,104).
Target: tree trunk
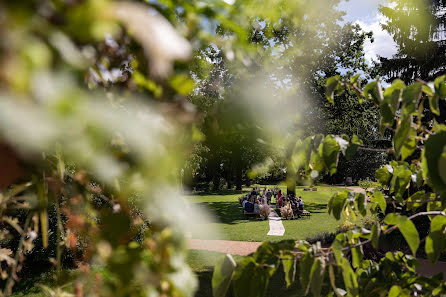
(290,185)
(187,179)
(216,181)
(238,179)
(229,177)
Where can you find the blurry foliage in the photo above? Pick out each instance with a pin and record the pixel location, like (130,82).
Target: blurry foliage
(95,127)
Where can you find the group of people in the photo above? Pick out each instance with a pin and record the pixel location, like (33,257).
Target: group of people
(297,204)
(253,202)
(256,199)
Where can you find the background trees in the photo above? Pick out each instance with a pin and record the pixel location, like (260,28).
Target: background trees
(99,109)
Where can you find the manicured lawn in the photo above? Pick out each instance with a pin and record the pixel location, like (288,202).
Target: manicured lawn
(232,225)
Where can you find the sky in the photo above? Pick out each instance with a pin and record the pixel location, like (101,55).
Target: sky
(366,14)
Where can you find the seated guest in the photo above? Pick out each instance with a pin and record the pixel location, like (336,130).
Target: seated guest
(257,207)
(300,204)
(249,207)
(280,202)
(245,200)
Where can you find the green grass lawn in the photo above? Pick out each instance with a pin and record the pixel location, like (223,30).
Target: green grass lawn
(232,225)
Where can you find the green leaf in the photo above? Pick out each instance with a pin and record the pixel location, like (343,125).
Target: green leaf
(331,86)
(289,268)
(352,148)
(436,240)
(317,276)
(378,198)
(374,236)
(306,263)
(357,256)
(440,86)
(418,196)
(392,95)
(427,90)
(336,204)
(410,97)
(181,83)
(434,160)
(373,90)
(222,276)
(354,78)
(337,247)
(433,103)
(316,159)
(383,175)
(350,280)
(407,228)
(409,145)
(434,206)
(362,203)
(330,153)
(268,252)
(400,181)
(394,291)
(252,279)
(387,115)
(401,133)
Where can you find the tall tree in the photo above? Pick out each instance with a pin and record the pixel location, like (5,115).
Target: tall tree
(418,28)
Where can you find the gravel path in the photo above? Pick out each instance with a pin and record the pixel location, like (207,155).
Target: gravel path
(242,248)
(275,224)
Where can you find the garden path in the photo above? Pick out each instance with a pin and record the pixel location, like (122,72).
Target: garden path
(275,225)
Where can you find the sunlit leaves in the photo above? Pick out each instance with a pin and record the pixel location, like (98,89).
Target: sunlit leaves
(374,91)
(392,95)
(397,291)
(161,42)
(400,181)
(182,84)
(436,240)
(407,228)
(378,198)
(409,145)
(332,85)
(330,152)
(440,86)
(416,200)
(317,276)
(434,160)
(306,263)
(268,251)
(433,103)
(289,268)
(374,235)
(252,279)
(402,132)
(222,276)
(410,98)
(351,150)
(336,204)
(350,280)
(383,175)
